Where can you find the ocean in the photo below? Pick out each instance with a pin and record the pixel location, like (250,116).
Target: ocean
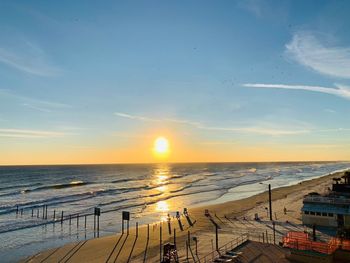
(148,191)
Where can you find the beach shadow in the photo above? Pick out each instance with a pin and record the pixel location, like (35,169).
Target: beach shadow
(72,249)
(76,251)
(53,252)
(180,224)
(132,249)
(121,248)
(189,220)
(277,231)
(214,223)
(115,246)
(220,219)
(145,254)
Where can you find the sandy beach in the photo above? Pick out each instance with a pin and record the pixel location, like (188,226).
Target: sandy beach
(234,219)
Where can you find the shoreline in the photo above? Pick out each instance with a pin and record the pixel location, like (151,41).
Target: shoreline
(214,202)
(235,208)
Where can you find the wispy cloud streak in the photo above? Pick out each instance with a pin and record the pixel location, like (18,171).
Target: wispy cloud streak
(257,130)
(23,133)
(198,125)
(142,118)
(340,90)
(35,104)
(28,58)
(309,51)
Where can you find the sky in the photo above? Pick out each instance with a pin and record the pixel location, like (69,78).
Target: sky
(223,81)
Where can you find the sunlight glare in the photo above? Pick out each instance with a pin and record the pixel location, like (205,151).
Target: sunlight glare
(161,145)
(162,206)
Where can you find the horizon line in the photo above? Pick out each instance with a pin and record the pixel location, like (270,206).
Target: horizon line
(156,163)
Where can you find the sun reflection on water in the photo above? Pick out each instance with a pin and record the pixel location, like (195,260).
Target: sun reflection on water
(162,188)
(161,177)
(162,206)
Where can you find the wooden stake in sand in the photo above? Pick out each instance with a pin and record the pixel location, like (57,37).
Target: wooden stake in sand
(147,231)
(137,229)
(160,243)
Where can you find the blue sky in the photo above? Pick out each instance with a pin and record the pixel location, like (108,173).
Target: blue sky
(89,79)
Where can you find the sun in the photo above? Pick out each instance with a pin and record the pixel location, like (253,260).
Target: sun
(161,146)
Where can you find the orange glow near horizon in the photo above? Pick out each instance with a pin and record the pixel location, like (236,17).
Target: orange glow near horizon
(180,147)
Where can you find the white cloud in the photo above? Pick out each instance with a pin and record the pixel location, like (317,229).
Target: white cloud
(265,9)
(142,118)
(23,133)
(35,104)
(340,90)
(28,58)
(330,110)
(257,130)
(198,125)
(309,51)
(35,107)
(264,128)
(134,117)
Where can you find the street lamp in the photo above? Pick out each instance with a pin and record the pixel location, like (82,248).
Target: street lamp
(270,204)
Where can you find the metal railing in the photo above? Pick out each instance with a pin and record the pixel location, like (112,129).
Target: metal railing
(223,249)
(326,200)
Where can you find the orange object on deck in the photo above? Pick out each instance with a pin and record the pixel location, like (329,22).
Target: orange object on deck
(301,241)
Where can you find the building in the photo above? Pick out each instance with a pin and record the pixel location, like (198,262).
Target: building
(329,211)
(332,210)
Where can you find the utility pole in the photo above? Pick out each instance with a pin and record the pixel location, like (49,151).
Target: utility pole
(270,202)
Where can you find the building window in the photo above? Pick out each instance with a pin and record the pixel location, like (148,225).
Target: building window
(330,214)
(324,214)
(318,213)
(306,212)
(312,213)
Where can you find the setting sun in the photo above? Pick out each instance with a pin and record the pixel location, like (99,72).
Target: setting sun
(161,145)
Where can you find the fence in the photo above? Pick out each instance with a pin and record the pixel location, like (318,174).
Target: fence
(301,241)
(43,216)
